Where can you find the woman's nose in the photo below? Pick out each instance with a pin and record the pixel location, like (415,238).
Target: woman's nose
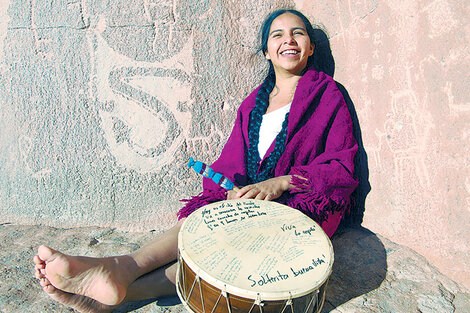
(289,39)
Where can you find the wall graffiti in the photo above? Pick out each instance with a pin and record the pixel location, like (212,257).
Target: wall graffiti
(146,103)
(407,130)
(143,121)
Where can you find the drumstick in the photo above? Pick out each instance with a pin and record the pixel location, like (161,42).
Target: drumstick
(206,171)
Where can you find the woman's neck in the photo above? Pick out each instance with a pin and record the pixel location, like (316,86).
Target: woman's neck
(283,91)
(287,84)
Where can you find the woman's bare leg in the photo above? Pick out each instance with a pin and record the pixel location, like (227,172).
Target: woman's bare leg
(156,284)
(105,279)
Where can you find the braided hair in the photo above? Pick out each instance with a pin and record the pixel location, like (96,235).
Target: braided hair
(256,117)
(262,102)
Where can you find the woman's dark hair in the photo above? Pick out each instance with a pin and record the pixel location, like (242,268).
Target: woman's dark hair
(262,103)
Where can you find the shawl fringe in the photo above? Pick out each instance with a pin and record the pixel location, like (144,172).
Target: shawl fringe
(316,205)
(199,201)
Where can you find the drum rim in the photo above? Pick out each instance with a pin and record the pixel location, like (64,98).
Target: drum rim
(253,295)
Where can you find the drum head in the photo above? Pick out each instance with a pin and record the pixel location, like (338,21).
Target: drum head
(256,249)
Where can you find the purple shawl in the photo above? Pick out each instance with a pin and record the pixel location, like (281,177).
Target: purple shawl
(320,147)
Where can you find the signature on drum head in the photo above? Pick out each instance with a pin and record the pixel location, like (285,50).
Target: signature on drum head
(265,279)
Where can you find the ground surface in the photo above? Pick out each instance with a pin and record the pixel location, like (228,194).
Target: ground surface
(370,274)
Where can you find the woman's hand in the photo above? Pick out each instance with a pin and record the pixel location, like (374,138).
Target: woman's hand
(231,195)
(270,189)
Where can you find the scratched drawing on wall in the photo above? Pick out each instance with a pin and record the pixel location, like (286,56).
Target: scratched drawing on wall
(454,108)
(144,94)
(142,120)
(407,130)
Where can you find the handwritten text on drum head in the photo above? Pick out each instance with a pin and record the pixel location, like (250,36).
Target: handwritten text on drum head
(265,279)
(227,213)
(298,232)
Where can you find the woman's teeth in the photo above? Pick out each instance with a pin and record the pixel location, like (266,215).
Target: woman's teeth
(290,52)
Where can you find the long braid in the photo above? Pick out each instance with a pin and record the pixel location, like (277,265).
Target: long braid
(262,102)
(256,117)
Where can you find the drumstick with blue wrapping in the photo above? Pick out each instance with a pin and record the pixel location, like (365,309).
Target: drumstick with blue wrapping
(206,171)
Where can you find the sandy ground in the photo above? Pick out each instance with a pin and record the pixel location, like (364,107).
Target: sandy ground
(370,274)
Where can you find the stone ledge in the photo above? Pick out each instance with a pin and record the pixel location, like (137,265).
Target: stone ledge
(370,274)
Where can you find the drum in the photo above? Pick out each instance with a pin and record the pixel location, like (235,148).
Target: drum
(252,255)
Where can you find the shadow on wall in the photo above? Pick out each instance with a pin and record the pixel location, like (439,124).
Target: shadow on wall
(360,258)
(324,61)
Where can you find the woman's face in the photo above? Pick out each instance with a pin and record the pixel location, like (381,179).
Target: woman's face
(288,44)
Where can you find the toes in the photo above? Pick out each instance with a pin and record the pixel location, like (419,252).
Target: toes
(37,271)
(38,275)
(49,289)
(43,282)
(46,254)
(37,260)
(39,267)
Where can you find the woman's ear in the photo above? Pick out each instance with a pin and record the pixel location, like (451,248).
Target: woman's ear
(268,57)
(312,49)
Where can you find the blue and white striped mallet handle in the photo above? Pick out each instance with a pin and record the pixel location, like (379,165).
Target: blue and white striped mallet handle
(208,172)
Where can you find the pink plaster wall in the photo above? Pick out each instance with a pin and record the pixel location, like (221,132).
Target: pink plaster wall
(405,65)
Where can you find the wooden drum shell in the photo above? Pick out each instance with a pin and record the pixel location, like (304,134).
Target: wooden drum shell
(215,300)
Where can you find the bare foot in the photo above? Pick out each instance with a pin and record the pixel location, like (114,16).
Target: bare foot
(101,279)
(80,303)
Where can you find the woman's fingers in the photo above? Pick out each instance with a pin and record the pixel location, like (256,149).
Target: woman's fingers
(250,194)
(243,191)
(269,197)
(260,191)
(260,196)
(231,195)
(270,189)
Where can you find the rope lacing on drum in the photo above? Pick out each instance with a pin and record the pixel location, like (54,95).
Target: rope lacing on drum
(320,303)
(314,295)
(216,302)
(181,270)
(191,290)
(257,302)
(200,293)
(225,294)
(288,303)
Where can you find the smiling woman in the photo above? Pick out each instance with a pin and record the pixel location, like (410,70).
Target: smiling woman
(308,166)
(289,45)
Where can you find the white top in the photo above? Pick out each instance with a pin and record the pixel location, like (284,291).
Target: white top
(270,128)
(256,248)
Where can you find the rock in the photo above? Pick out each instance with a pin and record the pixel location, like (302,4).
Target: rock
(373,274)
(370,273)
